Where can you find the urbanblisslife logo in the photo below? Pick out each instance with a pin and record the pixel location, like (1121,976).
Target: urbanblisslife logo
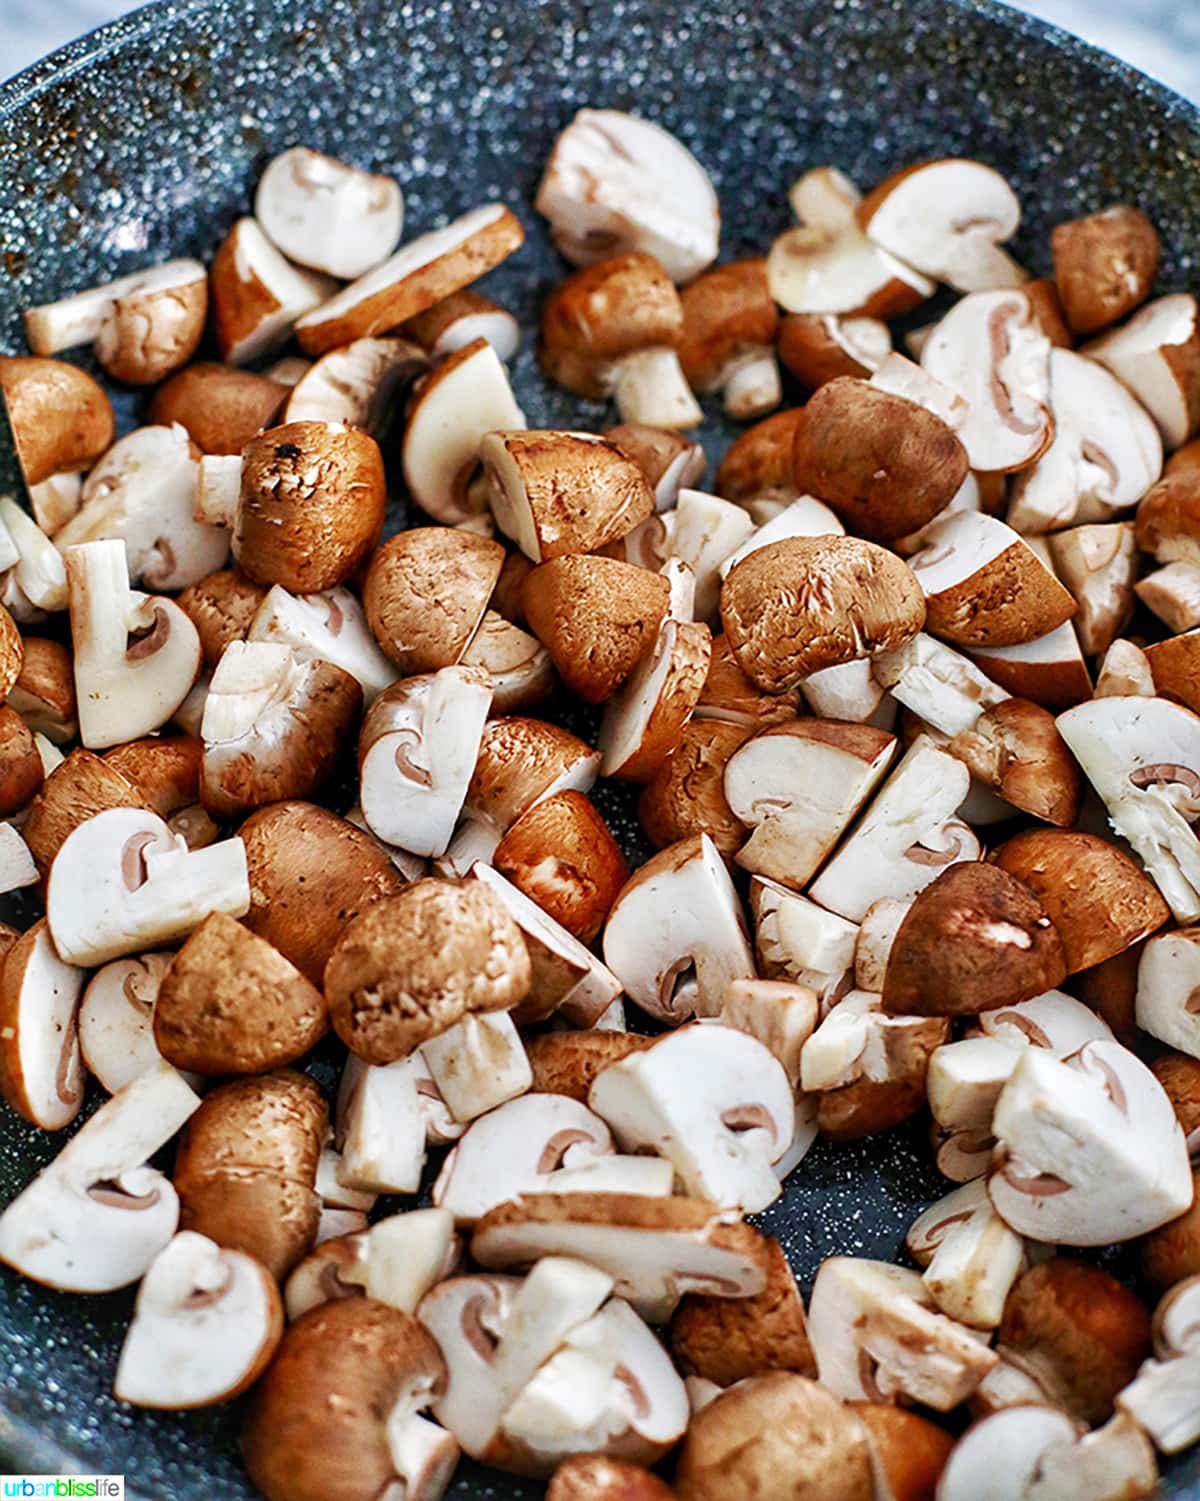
(100,1487)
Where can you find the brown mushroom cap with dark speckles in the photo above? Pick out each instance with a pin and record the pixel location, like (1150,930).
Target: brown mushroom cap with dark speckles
(222,607)
(76,790)
(567,1062)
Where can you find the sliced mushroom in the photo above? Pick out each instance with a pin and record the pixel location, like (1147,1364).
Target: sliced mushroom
(1164,1398)
(38,580)
(1157,356)
(116,1032)
(970,1257)
(669,460)
(1050,671)
(780,1015)
(359,384)
(730,323)
(644,720)
(55,501)
(706,532)
(330,626)
(460,319)
(41,1073)
(60,418)
(382,1127)
(1003,1454)
(257,294)
(1125,672)
(326,214)
(221,407)
(478,1064)
(79,317)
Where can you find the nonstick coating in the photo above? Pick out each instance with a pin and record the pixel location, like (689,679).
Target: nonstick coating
(144,141)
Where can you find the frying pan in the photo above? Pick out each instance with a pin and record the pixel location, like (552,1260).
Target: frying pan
(144,141)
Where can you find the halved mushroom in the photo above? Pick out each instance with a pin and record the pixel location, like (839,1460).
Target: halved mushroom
(819,347)
(81,786)
(519,666)
(669,460)
(947,218)
(1156,355)
(521,761)
(41,1073)
(799,785)
(804,517)
(460,319)
(97,1216)
(1037,1453)
(1104,455)
(906,837)
(330,626)
(1090,1149)
(326,214)
(1050,670)
(359,384)
(421,619)
(644,720)
(781,1015)
(205,1325)
(970,1257)
(478,1064)
(1014,749)
(757,469)
(55,501)
(396,1261)
(257,294)
(419,274)
(61,420)
(706,532)
(1104,265)
(122,882)
(713,1101)
(116,1032)
(221,407)
(730,323)
(877,1337)
(1125,672)
(1098,564)
(615,182)
(1165,1395)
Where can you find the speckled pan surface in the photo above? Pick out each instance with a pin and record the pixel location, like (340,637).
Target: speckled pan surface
(144,141)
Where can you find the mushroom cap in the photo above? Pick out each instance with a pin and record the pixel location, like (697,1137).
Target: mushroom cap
(517,663)
(567,1063)
(603,312)
(425,594)
(317,1428)
(460,319)
(222,607)
(61,419)
(726,312)
(596,616)
(1157,356)
(597,1477)
(729,695)
(21,769)
(1172,1252)
(257,293)
(221,407)
(759,462)
(807,603)
(1174,667)
(77,789)
(1078,1332)
(1050,671)
(43,692)
(231,1004)
(1168,518)
(819,347)
(1179,1076)
(1098,900)
(669,460)
(414,964)
(908,1452)
(1015,749)
(154,325)
(686,795)
(246,1166)
(326,214)
(1104,265)
(643,722)
(884,464)
(773,1429)
(1003,1451)
(522,761)
(311,508)
(561,854)
(867,1107)
(164,768)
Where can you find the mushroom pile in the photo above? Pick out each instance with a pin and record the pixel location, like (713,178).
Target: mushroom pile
(883,699)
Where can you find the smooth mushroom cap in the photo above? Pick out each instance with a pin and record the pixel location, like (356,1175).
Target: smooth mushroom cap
(760,462)
(908,1452)
(221,407)
(1105,264)
(426,592)
(727,312)
(1015,749)
(61,419)
(597,1477)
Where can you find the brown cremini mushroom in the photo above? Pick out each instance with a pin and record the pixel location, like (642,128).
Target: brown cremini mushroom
(76,790)
(21,770)
(908,1452)
(596,1477)
(562,856)
(1104,265)
(221,408)
(567,1063)
(522,761)
(729,326)
(222,607)
(686,795)
(257,293)
(61,420)
(1015,749)
(154,325)
(819,347)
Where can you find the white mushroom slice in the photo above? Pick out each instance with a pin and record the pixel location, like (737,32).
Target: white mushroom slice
(288,370)
(798,941)
(329,626)
(478,1064)
(828,265)
(125,688)
(857,1040)
(643,1177)
(711,1100)
(518,1149)
(877,1338)
(848,691)
(1098,564)
(905,839)
(681,581)
(205,1324)
(797,786)
(116,1019)
(1106,452)
(17,867)
(40,578)
(54,502)
(940,685)
(804,517)
(610,1388)
(190,714)
(964,1082)
(39,998)
(1054,1021)
(1173,593)
(616,183)
(707,530)
(1005,1386)
(1142,755)
(381,1129)
(332,1192)
(876,934)
(395,1261)
(122,882)
(336,1224)
(218,489)
(78,318)
(971,1257)
(1091,1151)
(323,213)
(417,753)
(1168,987)
(97,1216)
(1111,1464)
(358,384)
(1125,673)
(1000,1457)
(1050,671)
(519,666)
(258,295)
(1155,355)
(780,1015)
(467,396)
(991,350)
(903,377)
(948,219)
(1164,1397)
(675,936)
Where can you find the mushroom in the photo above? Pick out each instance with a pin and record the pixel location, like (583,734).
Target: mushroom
(418,275)
(218,489)
(654,1249)
(521,761)
(55,500)
(782,1016)
(675,935)
(311,873)
(1173,593)
(1104,265)
(984,586)
(414,964)
(17,865)
(358,385)
(1078,1332)
(730,697)
(714,1102)
(1090,1150)
(730,323)
(758,467)
(857,1042)
(1104,454)
(396,1261)
(80,787)
(272,727)
(808,603)
(669,460)
(613,329)
(1014,749)
(908,1452)
(311,505)
(467,396)
(1163,1396)
(330,626)
(820,347)
(644,720)
(595,1477)
(205,1326)
(1125,673)
(1098,564)
(827,264)
(79,317)
(153,323)
(246,1166)
(1050,670)
(519,666)
(408,575)
(383,1124)
(221,407)
(166,770)
(478,1064)
(41,1074)
(899,376)
(257,294)
(1166,983)
(970,1257)
(706,531)
(686,795)
(906,837)
(460,319)
(561,855)
(1138,755)
(38,580)
(873,943)
(1156,355)
(337,1415)
(142,492)
(21,770)
(96,1217)
(800,942)
(1168,519)
(60,418)
(566,1063)
(116,1031)
(804,517)
(947,218)
(326,214)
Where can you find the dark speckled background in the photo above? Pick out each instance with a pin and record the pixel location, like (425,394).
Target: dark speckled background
(144,141)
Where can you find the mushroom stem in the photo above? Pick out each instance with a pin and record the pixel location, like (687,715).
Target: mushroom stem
(650,387)
(752,387)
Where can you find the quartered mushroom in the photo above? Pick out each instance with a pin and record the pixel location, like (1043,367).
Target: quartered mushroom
(706,532)
(330,627)
(116,1031)
(566,1063)
(326,214)
(41,1071)
(1125,672)
(521,761)
(1099,565)
(1173,594)
(80,317)
(396,1261)
(221,407)
(820,347)
(781,1015)
(257,294)
(1050,670)
(478,1064)
(37,581)
(460,319)
(1167,979)
(644,720)
(804,517)
(615,182)
(61,419)
(857,1041)
(1164,1398)
(206,1324)
(669,460)
(1157,356)
(1168,519)
(686,795)
(798,941)
(1104,265)
(384,1123)
(360,384)
(970,1258)
(730,324)
(519,666)
(1015,750)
